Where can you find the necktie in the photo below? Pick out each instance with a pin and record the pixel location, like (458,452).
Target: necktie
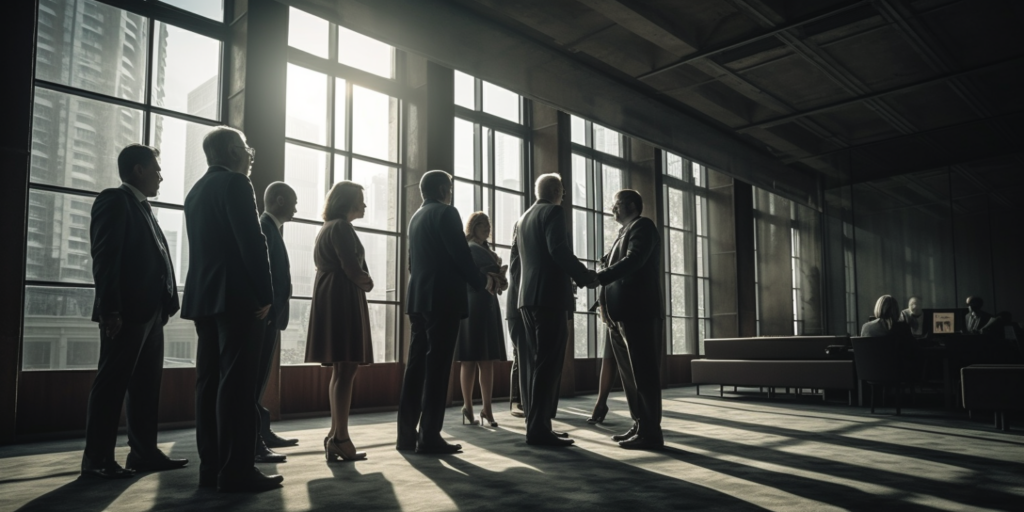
(154,227)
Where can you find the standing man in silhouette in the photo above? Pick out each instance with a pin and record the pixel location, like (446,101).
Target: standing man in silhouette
(516,331)
(631,307)
(279,202)
(440,267)
(548,269)
(976,317)
(135,295)
(228,293)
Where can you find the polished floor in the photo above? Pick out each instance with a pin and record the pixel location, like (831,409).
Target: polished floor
(740,452)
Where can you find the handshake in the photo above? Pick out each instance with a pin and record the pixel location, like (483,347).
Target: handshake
(590,281)
(496,281)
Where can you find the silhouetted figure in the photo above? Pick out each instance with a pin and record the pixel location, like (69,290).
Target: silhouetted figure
(546,300)
(279,202)
(228,293)
(135,295)
(516,331)
(631,308)
(481,339)
(997,325)
(913,317)
(440,268)
(886,321)
(339,319)
(976,317)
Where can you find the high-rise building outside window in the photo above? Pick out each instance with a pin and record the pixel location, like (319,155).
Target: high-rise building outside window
(106,78)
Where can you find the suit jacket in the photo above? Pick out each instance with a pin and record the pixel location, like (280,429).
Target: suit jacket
(974,324)
(440,264)
(632,281)
(514,273)
(229,267)
(548,266)
(280,272)
(128,264)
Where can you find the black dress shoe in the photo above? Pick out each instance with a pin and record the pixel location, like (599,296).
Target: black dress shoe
(623,437)
(275,441)
(441,448)
(155,462)
(559,434)
(108,471)
(255,481)
(549,441)
(264,454)
(642,443)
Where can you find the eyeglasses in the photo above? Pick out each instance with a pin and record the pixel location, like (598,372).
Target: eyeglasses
(251,151)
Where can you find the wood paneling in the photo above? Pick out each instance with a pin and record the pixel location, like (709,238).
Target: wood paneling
(304,388)
(502,376)
(588,372)
(678,367)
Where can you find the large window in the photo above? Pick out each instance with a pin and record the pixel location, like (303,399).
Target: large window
(343,122)
(688,300)
(598,159)
(106,78)
(491,146)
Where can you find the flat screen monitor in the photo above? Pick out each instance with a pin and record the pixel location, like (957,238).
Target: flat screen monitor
(944,321)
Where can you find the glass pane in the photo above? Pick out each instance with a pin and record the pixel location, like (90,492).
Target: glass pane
(578,130)
(293,339)
(308,33)
(699,215)
(464,149)
(507,209)
(673,165)
(607,141)
(500,102)
(582,300)
(380,193)
(698,175)
(677,252)
(339,114)
(382,332)
(186,72)
(180,341)
(374,124)
(678,295)
(58,244)
(463,200)
(300,240)
(675,208)
(486,166)
(679,336)
(365,53)
(610,231)
(93,46)
(465,94)
(306,111)
(306,171)
(381,253)
(701,298)
(172,223)
(700,255)
(75,141)
(182,159)
(580,336)
(611,184)
(579,181)
(213,9)
(508,161)
(579,230)
(59,331)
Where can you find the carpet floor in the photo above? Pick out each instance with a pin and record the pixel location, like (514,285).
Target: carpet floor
(740,452)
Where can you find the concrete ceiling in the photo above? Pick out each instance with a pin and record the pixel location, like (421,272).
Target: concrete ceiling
(854,90)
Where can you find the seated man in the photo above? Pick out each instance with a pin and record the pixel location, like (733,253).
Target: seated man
(913,317)
(976,318)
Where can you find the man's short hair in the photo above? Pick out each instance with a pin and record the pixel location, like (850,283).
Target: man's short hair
(217,145)
(547,185)
(631,196)
(432,183)
(132,155)
(974,300)
(275,190)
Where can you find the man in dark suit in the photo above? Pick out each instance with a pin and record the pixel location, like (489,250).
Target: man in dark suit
(976,318)
(228,293)
(440,267)
(545,300)
(135,295)
(631,307)
(279,202)
(516,331)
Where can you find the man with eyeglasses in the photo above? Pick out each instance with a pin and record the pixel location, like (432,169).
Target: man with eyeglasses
(228,293)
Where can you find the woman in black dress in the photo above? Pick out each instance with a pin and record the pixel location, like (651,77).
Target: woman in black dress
(481,336)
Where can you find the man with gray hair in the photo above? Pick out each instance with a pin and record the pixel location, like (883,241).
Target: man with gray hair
(228,293)
(548,268)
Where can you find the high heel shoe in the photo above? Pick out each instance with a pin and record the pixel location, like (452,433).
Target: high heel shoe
(598,415)
(489,419)
(337,448)
(467,417)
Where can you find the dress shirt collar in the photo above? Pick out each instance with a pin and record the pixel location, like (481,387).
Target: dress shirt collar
(543,201)
(277,222)
(136,192)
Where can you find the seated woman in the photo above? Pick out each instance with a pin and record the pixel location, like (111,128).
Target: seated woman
(887,320)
